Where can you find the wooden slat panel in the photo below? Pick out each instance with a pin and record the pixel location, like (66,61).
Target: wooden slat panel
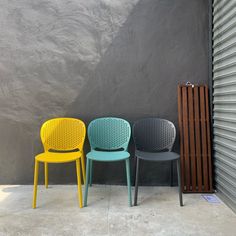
(208,139)
(192,138)
(181,135)
(203,139)
(195,143)
(186,138)
(198,138)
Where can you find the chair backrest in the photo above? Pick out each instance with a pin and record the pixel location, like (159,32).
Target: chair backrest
(109,133)
(63,134)
(154,135)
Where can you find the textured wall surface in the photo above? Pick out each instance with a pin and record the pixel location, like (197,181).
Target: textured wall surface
(89,59)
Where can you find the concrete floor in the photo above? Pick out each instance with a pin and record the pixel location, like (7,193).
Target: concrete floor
(108,213)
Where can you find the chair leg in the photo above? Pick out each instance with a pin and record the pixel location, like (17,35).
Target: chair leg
(87,182)
(127,164)
(171,173)
(46,174)
(83,167)
(91,173)
(36,174)
(78,172)
(136,181)
(135,165)
(179,183)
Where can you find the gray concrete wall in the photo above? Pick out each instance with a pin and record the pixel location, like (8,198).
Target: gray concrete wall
(89,59)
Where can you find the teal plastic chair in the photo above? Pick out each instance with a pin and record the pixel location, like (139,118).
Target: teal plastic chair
(109,138)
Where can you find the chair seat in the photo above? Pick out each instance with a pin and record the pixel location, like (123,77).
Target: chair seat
(108,156)
(157,156)
(52,157)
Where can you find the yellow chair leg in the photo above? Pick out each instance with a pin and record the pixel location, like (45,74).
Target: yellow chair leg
(36,174)
(80,197)
(46,174)
(83,167)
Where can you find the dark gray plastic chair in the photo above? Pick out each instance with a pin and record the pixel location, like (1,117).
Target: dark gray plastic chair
(154,139)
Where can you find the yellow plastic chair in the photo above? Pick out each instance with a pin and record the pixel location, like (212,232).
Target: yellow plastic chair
(63,140)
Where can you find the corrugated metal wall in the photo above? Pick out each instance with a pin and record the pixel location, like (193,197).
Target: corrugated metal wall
(224,98)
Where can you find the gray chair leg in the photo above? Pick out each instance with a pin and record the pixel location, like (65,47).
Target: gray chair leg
(171,173)
(136,181)
(135,165)
(91,173)
(179,183)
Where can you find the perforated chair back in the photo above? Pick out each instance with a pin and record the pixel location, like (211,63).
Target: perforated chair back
(63,134)
(109,133)
(154,135)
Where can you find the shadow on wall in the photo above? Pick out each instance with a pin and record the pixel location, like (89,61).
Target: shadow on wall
(161,43)
(138,75)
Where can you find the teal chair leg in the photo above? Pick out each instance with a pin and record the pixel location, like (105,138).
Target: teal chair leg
(91,173)
(128,181)
(87,181)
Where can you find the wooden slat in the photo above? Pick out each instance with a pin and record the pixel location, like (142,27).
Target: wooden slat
(180,112)
(192,138)
(198,138)
(186,138)
(203,139)
(208,139)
